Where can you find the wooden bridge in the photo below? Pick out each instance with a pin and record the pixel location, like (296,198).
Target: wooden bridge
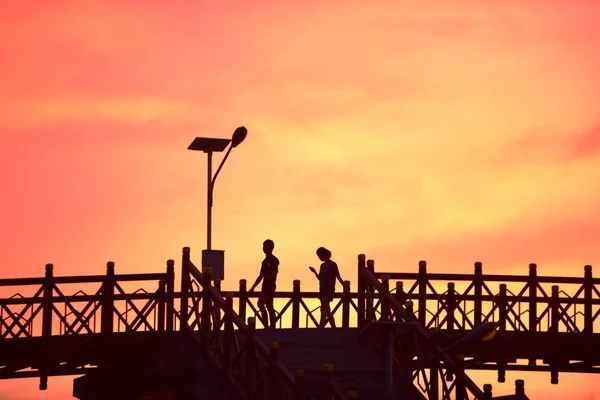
(400,335)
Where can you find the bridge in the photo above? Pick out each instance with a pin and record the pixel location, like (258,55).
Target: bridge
(399,335)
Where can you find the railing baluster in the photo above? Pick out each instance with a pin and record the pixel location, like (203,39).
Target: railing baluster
(108,307)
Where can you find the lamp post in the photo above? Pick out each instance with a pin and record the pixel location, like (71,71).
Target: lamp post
(210,146)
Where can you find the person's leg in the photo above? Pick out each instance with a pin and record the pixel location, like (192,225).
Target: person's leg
(271,310)
(261,309)
(325,311)
(330,318)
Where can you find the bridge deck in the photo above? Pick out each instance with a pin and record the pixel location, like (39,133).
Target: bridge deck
(67,355)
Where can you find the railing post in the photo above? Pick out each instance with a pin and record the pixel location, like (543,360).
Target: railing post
(170,312)
(205,314)
(434,379)
(385,307)
(520,389)
(533,283)
(361,292)
(229,338)
(588,316)
(296,297)
(108,291)
(401,297)
(451,307)
(162,304)
(217,309)
(487,392)
(461,390)
(299,383)
(47,305)
(502,311)
(410,312)
(185,289)
(243,299)
(478,292)
(422,293)
(370,293)
(555,315)
(274,386)
(47,318)
(327,376)
(250,360)
(346,299)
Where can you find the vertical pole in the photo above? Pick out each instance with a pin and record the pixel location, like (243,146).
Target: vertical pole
(451,307)
(298,384)
(533,284)
(478,291)
(361,292)
(434,379)
(520,389)
(162,305)
(229,341)
(487,391)
(346,299)
(170,314)
(243,299)
(370,293)
(207,305)
(209,202)
(502,314)
(384,305)
(296,297)
(422,293)
(273,374)
(47,304)
(555,317)
(389,367)
(460,390)
(106,323)
(47,319)
(251,361)
(588,315)
(185,287)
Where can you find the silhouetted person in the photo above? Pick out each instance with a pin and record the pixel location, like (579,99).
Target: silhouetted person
(268,275)
(327,275)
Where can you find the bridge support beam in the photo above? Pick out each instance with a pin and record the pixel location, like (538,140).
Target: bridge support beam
(175,372)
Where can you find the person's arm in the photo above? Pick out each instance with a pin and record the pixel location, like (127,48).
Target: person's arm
(314,271)
(260,278)
(337,272)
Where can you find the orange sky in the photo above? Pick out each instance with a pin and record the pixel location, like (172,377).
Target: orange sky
(452,131)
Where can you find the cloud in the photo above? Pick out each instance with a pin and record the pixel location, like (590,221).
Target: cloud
(549,146)
(569,238)
(125,110)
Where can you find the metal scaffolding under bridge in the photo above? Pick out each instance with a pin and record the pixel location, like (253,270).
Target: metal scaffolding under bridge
(400,335)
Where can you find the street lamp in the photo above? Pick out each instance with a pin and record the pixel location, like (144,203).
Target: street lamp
(214,258)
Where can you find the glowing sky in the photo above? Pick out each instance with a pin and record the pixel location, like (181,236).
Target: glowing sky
(452,131)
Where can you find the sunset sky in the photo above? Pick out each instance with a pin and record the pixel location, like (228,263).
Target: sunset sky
(451,131)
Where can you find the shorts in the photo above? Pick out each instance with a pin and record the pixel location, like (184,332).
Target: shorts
(326,295)
(267,294)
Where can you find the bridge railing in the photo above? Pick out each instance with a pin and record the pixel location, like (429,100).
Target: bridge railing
(106,306)
(232,346)
(528,303)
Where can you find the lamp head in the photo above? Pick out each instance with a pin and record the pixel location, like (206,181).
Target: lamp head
(238,136)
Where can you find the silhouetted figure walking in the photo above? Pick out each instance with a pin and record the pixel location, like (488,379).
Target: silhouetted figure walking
(327,275)
(268,274)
